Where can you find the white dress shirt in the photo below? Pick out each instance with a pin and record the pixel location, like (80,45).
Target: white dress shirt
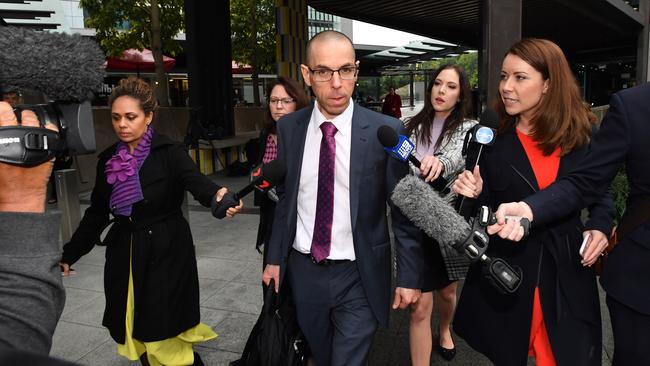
(342,242)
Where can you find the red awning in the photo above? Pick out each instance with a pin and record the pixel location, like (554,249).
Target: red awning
(136,60)
(241,69)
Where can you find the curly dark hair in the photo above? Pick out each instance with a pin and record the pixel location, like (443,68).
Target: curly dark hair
(138,89)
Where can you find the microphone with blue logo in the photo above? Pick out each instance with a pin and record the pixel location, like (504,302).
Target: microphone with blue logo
(476,139)
(401,148)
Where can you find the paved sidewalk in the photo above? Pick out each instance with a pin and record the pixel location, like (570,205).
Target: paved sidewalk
(231,299)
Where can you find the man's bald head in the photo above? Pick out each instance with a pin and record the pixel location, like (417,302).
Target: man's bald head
(326,36)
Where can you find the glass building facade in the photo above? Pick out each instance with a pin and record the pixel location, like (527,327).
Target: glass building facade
(318,22)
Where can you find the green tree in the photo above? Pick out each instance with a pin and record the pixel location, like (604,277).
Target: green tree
(124,24)
(252,27)
(468,61)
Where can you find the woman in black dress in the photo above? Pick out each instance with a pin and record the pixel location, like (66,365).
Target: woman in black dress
(545,131)
(438,131)
(151,282)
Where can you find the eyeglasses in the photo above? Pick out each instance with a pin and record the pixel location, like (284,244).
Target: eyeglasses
(325,74)
(282,101)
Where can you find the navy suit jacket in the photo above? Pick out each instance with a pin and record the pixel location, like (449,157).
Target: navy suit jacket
(623,138)
(373,175)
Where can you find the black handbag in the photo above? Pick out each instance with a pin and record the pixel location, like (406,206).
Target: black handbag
(276,338)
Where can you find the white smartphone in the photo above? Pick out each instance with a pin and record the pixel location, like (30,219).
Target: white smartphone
(584,244)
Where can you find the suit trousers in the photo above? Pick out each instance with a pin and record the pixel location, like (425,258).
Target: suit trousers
(333,310)
(631,334)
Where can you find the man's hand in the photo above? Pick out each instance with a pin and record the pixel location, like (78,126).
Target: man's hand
(272,272)
(232,211)
(510,229)
(404,297)
(23,189)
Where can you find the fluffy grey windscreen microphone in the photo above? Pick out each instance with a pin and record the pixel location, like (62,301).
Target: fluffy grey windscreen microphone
(64,67)
(424,207)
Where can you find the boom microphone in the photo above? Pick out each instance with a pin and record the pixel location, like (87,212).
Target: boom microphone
(265,177)
(429,212)
(400,147)
(64,67)
(67,69)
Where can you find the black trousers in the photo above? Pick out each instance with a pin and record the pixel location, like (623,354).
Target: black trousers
(333,311)
(631,334)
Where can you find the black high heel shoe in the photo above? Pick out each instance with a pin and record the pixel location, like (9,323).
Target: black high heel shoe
(447,353)
(197,360)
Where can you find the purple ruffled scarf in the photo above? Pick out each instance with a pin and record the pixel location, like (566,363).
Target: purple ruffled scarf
(122,173)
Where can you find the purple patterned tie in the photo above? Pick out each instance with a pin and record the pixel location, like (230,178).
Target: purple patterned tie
(322,239)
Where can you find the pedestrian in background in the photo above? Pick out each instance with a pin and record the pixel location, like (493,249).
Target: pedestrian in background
(284,96)
(392,104)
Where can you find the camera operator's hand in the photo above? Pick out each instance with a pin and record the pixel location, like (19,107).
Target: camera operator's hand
(23,189)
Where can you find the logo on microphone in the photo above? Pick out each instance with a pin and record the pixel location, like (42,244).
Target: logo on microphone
(264,185)
(484,135)
(403,149)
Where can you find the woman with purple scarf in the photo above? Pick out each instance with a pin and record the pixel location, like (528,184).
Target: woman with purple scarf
(150,276)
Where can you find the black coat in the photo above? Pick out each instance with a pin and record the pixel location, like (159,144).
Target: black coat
(165,275)
(266,205)
(622,140)
(499,325)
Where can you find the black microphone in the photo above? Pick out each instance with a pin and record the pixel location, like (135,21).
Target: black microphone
(67,69)
(427,210)
(264,177)
(479,136)
(401,148)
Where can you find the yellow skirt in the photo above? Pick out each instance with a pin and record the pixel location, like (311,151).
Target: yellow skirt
(170,351)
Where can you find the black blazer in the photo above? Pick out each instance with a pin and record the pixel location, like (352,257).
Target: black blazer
(498,325)
(165,276)
(261,198)
(622,139)
(373,175)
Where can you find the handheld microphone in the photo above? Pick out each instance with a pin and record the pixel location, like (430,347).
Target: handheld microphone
(479,136)
(401,148)
(67,69)
(429,212)
(265,177)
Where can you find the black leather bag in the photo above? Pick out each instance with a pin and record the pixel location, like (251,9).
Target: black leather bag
(276,338)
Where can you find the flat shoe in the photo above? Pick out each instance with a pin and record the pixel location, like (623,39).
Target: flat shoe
(447,353)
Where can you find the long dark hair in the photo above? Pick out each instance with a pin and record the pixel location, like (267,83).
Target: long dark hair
(421,122)
(294,90)
(562,118)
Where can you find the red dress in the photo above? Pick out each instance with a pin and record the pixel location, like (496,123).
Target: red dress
(545,169)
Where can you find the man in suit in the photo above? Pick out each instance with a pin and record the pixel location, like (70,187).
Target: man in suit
(622,139)
(330,235)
